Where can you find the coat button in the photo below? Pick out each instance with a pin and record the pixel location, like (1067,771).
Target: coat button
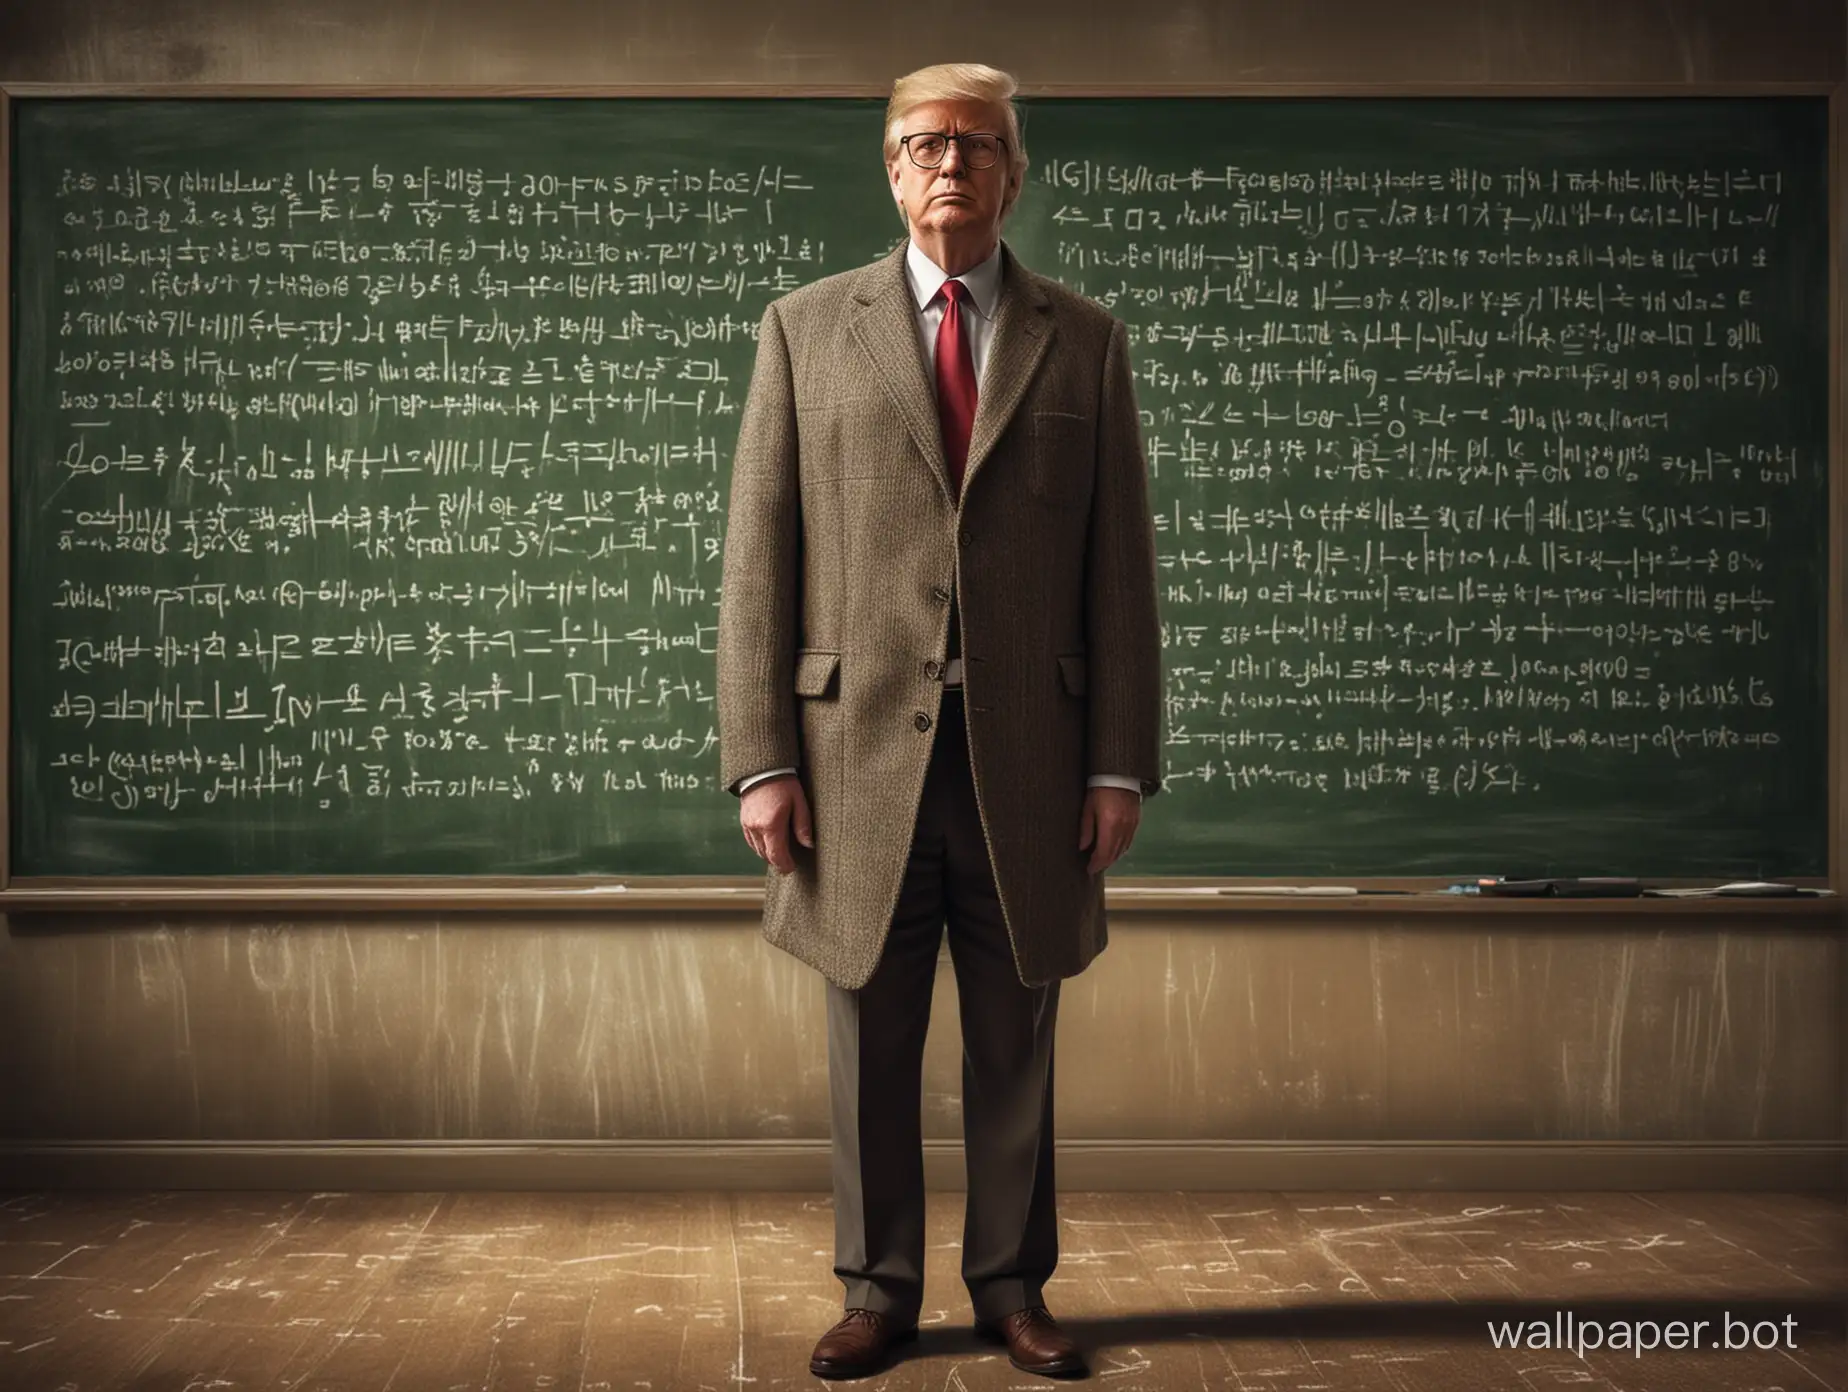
(921,720)
(967,536)
(940,594)
(933,670)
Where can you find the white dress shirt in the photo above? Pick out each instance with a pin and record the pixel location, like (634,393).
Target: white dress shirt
(983,282)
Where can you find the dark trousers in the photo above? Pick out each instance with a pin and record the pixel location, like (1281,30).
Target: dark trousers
(875,1069)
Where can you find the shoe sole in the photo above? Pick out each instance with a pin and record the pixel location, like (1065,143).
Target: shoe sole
(838,1371)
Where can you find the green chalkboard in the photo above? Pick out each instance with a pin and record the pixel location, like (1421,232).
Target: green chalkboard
(369,467)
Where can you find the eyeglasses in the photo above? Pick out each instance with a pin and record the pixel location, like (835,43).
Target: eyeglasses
(927,148)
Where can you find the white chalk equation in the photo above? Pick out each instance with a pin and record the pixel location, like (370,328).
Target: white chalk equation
(376,483)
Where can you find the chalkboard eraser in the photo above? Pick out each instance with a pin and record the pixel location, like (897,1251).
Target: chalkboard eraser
(1599,887)
(1757,889)
(1569,887)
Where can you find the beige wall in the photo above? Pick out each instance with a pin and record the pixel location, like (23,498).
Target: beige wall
(1295,1029)
(1307,1028)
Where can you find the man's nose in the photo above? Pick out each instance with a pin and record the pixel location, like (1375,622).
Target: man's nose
(952,159)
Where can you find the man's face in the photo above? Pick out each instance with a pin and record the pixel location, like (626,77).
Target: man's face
(953,198)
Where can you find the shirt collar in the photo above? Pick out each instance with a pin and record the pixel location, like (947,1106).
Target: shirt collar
(926,278)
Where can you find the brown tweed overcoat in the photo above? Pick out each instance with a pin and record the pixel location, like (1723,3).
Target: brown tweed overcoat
(842,545)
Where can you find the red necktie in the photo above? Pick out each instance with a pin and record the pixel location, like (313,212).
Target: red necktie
(955,382)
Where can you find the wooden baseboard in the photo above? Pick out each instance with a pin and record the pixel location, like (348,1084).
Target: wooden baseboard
(802,1165)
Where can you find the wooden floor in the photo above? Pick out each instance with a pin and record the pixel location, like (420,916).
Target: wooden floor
(1261,1292)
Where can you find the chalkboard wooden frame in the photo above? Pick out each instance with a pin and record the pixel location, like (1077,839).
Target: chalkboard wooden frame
(1416,896)
(651,895)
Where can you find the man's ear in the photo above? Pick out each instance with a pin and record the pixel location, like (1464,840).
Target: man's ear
(1017,183)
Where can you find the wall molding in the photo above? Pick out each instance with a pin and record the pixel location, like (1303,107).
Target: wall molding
(802,1165)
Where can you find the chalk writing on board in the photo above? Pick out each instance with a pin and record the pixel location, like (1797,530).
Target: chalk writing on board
(1577,610)
(379,484)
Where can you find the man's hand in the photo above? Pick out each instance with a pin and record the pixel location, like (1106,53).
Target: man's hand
(1110,819)
(766,812)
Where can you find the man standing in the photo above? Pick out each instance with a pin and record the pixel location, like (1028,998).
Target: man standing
(939,688)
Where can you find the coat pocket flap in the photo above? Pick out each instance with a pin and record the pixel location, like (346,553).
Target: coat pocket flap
(1071,670)
(815,672)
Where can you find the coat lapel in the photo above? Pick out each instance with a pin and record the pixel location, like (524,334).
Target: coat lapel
(884,323)
(1023,331)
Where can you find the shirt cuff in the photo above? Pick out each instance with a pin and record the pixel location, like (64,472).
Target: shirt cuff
(744,784)
(1115,780)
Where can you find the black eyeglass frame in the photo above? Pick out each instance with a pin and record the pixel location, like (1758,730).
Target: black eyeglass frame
(946,137)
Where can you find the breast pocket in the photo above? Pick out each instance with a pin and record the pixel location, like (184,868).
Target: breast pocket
(1061,453)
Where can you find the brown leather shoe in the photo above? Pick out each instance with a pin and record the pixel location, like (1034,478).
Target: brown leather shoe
(1036,1344)
(857,1345)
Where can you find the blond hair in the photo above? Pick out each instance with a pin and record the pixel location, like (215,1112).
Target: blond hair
(955,82)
